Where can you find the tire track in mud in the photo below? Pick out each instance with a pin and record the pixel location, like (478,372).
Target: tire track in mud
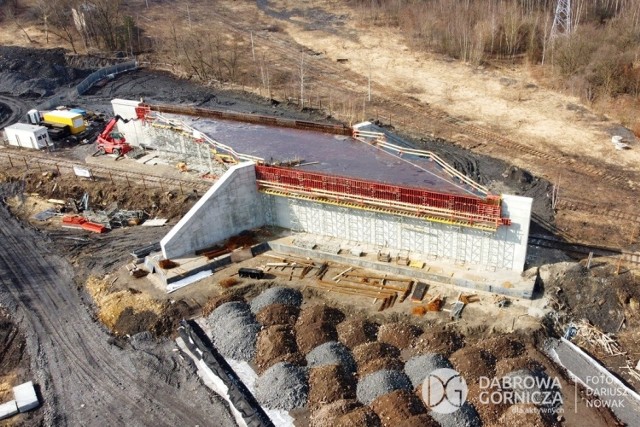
(17,110)
(85,380)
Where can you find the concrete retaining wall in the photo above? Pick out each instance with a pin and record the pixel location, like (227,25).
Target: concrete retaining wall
(133,131)
(232,205)
(505,249)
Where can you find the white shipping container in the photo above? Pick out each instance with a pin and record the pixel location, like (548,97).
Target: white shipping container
(27,136)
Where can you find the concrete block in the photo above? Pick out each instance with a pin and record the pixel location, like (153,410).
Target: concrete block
(25,395)
(8,409)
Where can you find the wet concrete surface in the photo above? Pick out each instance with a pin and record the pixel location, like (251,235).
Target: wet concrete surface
(334,154)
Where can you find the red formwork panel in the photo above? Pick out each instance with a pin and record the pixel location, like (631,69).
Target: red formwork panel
(474,208)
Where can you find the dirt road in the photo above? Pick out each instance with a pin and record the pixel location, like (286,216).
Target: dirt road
(84,379)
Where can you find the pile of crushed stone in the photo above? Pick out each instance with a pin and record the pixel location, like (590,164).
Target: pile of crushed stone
(234,330)
(380,383)
(283,386)
(276,295)
(331,353)
(417,368)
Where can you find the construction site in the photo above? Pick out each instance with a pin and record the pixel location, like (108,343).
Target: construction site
(177,253)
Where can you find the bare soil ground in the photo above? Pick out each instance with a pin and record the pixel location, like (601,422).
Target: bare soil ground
(499,125)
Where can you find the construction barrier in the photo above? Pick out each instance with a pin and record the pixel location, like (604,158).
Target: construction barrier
(465,210)
(104,73)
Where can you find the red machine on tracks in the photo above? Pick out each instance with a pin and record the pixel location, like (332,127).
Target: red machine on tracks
(111,141)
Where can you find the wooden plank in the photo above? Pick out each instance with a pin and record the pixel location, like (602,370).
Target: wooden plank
(406,293)
(418,292)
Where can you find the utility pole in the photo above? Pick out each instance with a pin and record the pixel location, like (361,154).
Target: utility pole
(562,19)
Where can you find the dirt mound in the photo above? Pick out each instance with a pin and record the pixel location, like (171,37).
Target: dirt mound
(361,417)
(328,384)
(31,72)
(397,406)
(524,415)
(311,335)
(422,420)
(276,344)
(116,309)
(444,342)
(278,314)
(365,353)
(505,346)
(355,331)
(320,313)
(316,325)
(505,366)
(386,363)
(473,363)
(215,302)
(327,415)
(489,413)
(598,295)
(398,334)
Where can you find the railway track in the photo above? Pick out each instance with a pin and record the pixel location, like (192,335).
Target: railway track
(584,249)
(42,163)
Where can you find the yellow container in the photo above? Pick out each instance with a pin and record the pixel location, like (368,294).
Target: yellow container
(73,120)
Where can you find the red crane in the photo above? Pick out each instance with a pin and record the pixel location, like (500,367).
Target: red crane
(111,141)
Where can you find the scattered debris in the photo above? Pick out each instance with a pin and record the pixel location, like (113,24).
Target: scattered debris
(156,222)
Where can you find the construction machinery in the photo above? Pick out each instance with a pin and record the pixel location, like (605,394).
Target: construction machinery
(111,141)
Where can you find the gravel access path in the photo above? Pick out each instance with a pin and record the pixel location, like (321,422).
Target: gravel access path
(84,380)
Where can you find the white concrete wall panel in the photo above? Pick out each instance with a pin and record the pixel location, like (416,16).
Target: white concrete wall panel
(133,131)
(230,206)
(504,249)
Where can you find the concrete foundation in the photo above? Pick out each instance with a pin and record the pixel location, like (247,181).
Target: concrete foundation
(230,206)
(234,204)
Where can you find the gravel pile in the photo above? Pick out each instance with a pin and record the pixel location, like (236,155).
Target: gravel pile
(277,295)
(283,386)
(234,330)
(417,368)
(466,416)
(331,353)
(380,383)
(229,309)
